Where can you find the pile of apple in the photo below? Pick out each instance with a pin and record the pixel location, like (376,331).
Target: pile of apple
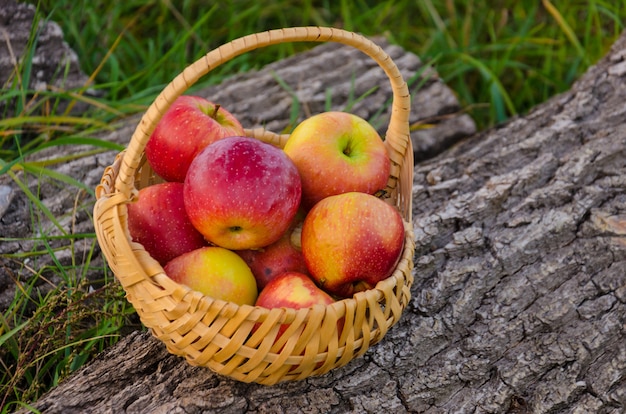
(247,222)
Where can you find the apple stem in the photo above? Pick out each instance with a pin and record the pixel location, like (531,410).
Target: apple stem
(217,108)
(347,150)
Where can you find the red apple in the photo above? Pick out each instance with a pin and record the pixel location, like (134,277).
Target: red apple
(189,125)
(151,219)
(337,152)
(215,272)
(293,290)
(296,291)
(241,193)
(277,258)
(351,241)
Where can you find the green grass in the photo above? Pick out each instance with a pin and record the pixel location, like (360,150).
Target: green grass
(501,59)
(506,57)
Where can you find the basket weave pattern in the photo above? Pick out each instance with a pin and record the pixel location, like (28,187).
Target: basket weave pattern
(240,341)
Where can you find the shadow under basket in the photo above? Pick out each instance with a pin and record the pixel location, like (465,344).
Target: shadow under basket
(218,334)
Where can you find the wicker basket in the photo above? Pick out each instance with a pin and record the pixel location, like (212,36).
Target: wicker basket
(218,334)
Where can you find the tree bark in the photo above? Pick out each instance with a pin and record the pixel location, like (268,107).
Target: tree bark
(519,299)
(53,64)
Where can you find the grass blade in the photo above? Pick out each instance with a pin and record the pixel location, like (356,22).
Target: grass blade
(295,101)
(40,171)
(38,204)
(8,335)
(567,30)
(497,89)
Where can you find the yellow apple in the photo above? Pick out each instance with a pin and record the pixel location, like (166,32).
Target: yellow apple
(216,272)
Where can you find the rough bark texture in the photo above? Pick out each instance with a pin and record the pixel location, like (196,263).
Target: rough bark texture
(54,63)
(519,302)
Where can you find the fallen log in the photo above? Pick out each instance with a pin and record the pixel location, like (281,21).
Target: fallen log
(519,298)
(53,64)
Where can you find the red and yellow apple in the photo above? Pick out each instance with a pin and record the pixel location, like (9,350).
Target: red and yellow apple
(277,258)
(293,290)
(337,152)
(241,193)
(351,241)
(215,272)
(189,125)
(158,210)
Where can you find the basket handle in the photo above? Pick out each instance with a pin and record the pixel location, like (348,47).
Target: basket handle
(397,138)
